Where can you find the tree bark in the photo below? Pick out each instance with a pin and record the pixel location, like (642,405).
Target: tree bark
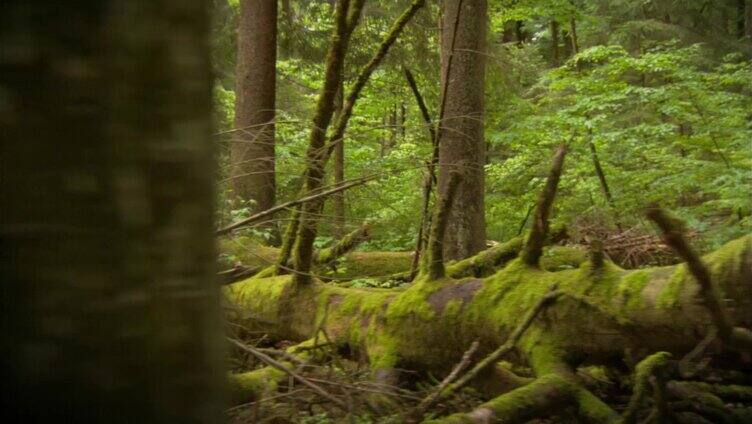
(110,306)
(461,142)
(252,153)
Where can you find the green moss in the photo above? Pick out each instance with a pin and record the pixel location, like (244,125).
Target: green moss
(375,264)
(630,289)
(487,261)
(256,300)
(557,258)
(669,296)
(253,384)
(726,265)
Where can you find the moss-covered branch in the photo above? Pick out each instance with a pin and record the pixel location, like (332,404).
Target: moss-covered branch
(537,238)
(343,246)
(435,262)
(346,18)
(673,234)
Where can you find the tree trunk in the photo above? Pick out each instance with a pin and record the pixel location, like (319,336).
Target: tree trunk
(461,144)
(555,42)
(252,153)
(110,308)
(740,17)
(573,35)
(748,19)
(519,32)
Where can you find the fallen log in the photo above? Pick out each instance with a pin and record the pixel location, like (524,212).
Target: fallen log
(429,325)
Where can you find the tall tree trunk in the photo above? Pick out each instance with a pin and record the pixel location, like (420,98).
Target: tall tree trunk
(573,35)
(748,18)
(110,309)
(461,144)
(252,153)
(740,17)
(555,42)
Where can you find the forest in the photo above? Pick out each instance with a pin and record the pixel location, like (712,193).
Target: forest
(370,211)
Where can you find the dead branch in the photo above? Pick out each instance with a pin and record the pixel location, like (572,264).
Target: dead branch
(436,269)
(303,200)
(343,246)
(537,238)
(673,234)
(236,273)
(430,178)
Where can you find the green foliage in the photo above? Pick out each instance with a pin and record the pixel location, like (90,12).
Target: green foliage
(660,88)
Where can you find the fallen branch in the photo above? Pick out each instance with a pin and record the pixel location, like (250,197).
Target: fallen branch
(263,214)
(646,369)
(236,273)
(343,246)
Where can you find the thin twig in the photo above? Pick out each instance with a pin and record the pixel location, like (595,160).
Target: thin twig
(273,363)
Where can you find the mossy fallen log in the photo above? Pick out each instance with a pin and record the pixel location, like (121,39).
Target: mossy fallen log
(428,325)
(349,266)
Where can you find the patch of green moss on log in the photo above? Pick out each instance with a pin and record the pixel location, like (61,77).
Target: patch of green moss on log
(630,289)
(352,265)
(557,258)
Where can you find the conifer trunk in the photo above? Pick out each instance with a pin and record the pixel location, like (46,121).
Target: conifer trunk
(253,150)
(461,144)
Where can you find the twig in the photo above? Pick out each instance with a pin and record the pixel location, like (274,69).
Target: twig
(273,363)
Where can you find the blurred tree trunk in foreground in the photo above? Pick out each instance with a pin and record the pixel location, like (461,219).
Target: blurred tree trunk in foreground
(110,311)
